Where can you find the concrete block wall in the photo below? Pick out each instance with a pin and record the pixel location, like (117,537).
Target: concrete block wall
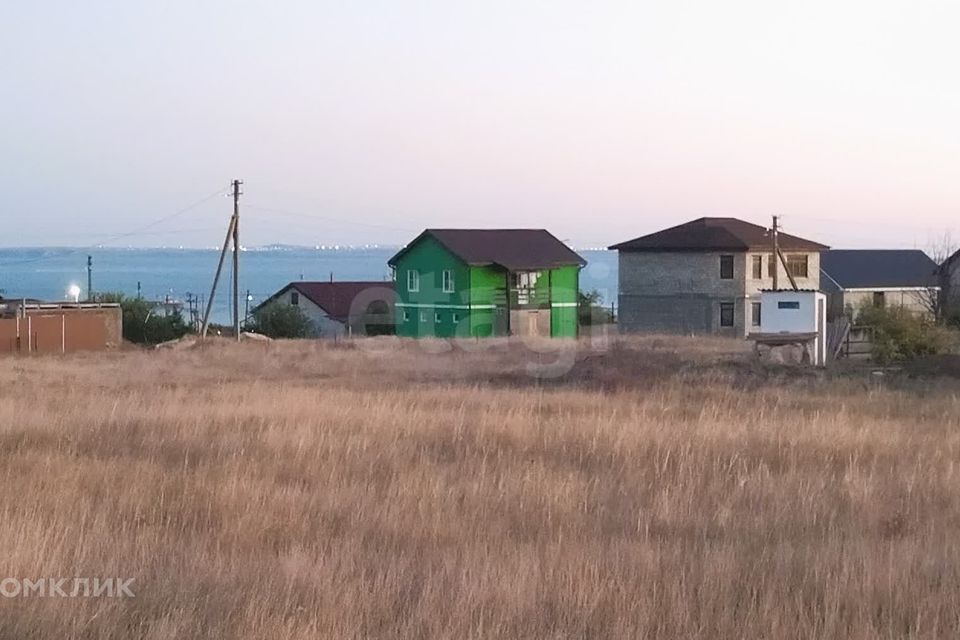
(753,286)
(681,292)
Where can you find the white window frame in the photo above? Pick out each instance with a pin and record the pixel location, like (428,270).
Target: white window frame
(413,280)
(456,318)
(436,317)
(406,316)
(447,278)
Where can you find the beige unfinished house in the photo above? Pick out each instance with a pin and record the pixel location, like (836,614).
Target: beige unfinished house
(854,278)
(705,276)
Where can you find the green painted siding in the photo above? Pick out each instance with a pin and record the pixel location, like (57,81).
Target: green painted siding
(488,286)
(430,259)
(564,293)
(478,305)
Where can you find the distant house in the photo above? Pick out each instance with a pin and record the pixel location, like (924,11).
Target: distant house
(705,276)
(949,281)
(338,309)
(486,282)
(904,278)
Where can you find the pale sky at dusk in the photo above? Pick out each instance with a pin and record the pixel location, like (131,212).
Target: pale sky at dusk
(357,122)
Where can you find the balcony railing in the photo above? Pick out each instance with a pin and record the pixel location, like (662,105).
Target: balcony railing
(529,298)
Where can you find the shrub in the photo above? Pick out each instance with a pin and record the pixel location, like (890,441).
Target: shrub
(589,310)
(899,334)
(141,325)
(278,320)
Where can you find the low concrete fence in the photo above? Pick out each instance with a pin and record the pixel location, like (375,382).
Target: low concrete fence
(61,329)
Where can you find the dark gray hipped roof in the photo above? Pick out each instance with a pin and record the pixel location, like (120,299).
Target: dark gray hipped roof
(513,249)
(716,234)
(877,268)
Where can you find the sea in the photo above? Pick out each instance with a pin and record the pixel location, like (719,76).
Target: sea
(49,273)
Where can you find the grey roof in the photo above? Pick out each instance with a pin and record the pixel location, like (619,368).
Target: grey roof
(949,262)
(716,234)
(513,249)
(877,268)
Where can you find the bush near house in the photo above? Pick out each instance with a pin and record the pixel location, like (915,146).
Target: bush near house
(901,335)
(953,319)
(278,320)
(590,312)
(141,325)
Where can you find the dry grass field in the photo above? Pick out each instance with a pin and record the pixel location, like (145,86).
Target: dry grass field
(666,488)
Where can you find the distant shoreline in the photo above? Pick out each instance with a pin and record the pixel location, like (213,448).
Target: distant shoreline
(285,247)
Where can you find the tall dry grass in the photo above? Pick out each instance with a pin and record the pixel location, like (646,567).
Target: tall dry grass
(663,489)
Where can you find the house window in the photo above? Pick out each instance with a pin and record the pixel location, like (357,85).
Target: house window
(524,283)
(393,274)
(447,281)
(456,318)
(879,299)
(413,281)
(757,267)
(406,316)
(755,314)
(788,304)
(295,298)
(726,314)
(525,279)
(797,265)
(436,317)
(423,316)
(772,265)
(726,267)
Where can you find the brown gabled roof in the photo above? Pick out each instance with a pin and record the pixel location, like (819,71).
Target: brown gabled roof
(336,298)
(716,234)
(512,249)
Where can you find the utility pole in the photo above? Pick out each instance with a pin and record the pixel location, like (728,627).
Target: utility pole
(236,258)
(89,278)
(231,233)
(776,252)
(778,256)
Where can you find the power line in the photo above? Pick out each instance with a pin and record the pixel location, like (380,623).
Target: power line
(312,216)
(120,236)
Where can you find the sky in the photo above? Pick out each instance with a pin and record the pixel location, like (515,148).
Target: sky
(364,122)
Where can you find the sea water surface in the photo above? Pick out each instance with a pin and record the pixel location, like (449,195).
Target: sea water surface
(47,273)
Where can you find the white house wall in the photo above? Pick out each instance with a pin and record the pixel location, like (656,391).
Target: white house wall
(323,325)
(911,300)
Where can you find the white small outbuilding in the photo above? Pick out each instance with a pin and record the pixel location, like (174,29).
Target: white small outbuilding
(791,317)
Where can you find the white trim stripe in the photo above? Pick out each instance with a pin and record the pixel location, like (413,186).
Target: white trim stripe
(417,305)
(908,289)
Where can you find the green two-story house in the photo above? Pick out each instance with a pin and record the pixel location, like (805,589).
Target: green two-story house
(486,282)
